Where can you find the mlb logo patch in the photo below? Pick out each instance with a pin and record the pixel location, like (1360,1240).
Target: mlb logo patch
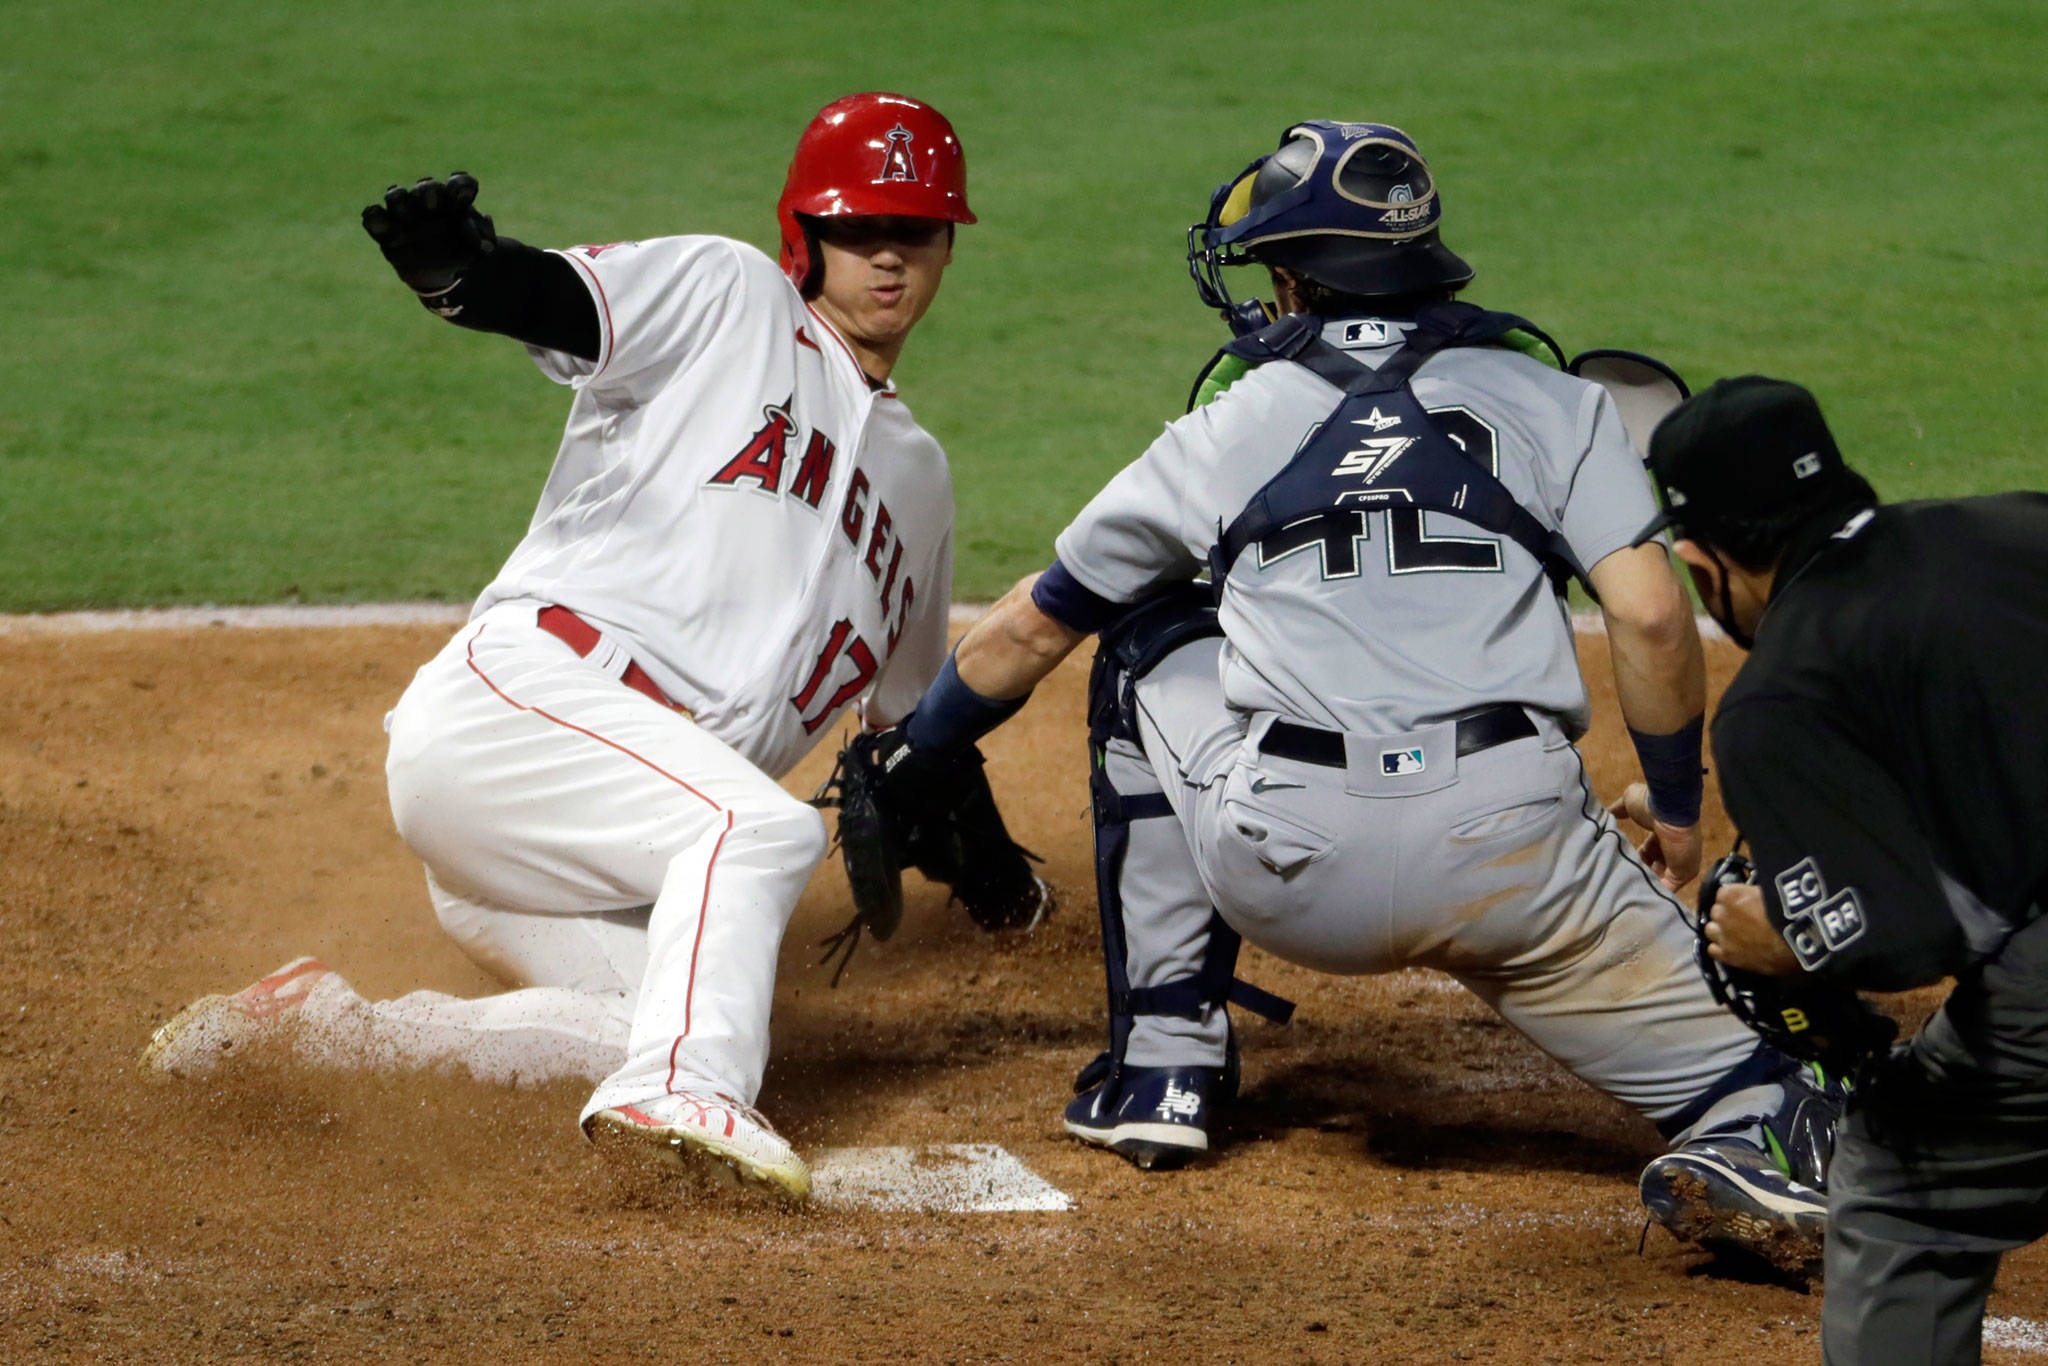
(1395,763)
(1365,334)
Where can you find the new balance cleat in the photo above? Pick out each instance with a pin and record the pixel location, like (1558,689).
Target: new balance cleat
(1727,1194)
(198,1038)
(1155,1117)
(703,1136)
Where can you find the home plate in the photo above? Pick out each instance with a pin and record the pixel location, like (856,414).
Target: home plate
(960,1178)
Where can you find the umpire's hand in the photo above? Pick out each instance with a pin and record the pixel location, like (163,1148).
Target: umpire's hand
(1739,933)
(431,232)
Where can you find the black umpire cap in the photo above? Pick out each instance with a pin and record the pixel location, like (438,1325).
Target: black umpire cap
(1744,450)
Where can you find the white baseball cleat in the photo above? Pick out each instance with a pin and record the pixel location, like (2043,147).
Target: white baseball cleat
(195,1040)
(701,1133)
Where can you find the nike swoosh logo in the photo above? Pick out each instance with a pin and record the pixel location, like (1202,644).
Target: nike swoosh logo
(1264,785)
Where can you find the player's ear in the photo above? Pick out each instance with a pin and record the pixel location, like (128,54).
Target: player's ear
(950,227)
(1286,289)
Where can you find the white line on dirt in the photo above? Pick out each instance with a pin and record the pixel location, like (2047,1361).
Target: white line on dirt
(272,617)
(949,1178)
(284,616)
(2016,1335)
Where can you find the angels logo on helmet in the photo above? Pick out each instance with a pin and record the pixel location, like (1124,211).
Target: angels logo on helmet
(896,163)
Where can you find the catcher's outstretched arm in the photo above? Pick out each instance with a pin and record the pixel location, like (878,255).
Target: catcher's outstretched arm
(1661,683)
(1006,653)
(993,669)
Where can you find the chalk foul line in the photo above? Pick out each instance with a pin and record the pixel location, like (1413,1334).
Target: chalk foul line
(290,617)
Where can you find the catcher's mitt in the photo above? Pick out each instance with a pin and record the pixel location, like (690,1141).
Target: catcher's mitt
(1802,1015)
(898,808)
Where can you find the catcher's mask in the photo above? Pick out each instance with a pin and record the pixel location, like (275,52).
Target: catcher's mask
(1349,205)
(869,154)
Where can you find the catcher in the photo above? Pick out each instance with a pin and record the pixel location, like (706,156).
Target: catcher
(1875,750)
(1353,750)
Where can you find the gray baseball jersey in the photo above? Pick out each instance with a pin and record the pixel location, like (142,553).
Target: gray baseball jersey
(1420,618)
(1500,866)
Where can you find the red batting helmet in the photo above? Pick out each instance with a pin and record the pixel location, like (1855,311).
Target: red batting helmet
(871,154)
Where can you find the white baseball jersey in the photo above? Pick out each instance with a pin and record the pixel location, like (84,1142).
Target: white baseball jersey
(768,533)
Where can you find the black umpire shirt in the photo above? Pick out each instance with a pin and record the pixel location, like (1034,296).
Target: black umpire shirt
(1884,748)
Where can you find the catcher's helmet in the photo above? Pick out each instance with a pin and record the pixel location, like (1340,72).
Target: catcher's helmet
(1348,205)
(871,154)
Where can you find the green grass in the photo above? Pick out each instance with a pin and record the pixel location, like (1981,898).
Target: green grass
(211,389)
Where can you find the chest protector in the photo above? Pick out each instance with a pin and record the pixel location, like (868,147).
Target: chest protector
(1379,450)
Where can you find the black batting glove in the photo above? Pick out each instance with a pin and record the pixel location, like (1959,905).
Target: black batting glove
(431,232)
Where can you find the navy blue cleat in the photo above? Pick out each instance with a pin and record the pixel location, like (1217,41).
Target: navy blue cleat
(1758,1190)
(1727,1194)
(1154,1117)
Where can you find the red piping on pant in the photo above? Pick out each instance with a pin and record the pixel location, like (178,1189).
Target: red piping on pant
(570,725)
(690,991)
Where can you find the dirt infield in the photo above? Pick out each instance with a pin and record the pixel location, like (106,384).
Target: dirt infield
(180,811)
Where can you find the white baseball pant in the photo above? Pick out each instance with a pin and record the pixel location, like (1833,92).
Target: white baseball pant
(626,873)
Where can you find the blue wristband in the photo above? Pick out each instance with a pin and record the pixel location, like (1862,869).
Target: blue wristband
(1671,768)
(952,715)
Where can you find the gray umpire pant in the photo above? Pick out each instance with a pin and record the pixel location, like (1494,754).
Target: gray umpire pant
(1500,868)
(1940,1168)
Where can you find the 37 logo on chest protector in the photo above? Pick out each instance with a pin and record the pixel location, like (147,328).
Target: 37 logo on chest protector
(1374,453)
(1411,548)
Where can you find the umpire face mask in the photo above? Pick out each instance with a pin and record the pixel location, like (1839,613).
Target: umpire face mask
(1725,616)
(1715,592)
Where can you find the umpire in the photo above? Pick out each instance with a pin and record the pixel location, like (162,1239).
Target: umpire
(1881,752)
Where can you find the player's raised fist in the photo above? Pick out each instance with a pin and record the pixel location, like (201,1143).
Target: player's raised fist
(430,231)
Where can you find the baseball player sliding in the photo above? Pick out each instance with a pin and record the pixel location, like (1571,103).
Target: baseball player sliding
(745,533)
(1362,758)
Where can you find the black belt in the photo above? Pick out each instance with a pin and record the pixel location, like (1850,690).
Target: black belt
(1480,731)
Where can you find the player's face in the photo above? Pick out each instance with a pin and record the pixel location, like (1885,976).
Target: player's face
(881,274)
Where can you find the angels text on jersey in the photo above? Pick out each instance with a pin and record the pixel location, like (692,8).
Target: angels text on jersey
(761,466)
